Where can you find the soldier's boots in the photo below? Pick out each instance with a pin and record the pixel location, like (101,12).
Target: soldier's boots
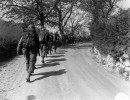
(28,78)
(43,61)
(27,68)
(46,53)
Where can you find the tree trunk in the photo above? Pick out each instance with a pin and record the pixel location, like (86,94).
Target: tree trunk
(42,24)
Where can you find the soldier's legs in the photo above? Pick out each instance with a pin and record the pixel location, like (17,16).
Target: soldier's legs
(31,66)
(50,48)
(27,58)
(32,63)
(46,49)
(43,53)
(54,47)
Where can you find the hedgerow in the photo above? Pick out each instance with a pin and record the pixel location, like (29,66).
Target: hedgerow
(110,36)
(7,49)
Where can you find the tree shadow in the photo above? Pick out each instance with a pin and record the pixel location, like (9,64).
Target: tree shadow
(47,65)
(31,97)
(48,74)
(3,64)
(50,63)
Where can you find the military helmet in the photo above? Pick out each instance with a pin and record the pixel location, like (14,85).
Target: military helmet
(31,27)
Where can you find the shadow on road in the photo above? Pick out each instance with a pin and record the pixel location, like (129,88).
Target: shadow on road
(56,60)
(48,74)
(47,65)
(56,56)
(61,51)
(51,63)
(31,97)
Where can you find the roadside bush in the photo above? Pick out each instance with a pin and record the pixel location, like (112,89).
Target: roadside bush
(110,37)
(110,41)
(7,49)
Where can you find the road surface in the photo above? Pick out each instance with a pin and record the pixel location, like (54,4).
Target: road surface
(70,74)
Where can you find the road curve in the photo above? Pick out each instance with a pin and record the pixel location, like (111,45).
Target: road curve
(70,74)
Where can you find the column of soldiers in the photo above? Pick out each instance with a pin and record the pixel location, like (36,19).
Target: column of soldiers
(31,45)
(69,39)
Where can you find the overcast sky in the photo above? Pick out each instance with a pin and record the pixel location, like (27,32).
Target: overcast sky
(125,4)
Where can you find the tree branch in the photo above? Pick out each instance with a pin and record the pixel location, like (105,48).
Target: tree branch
(52,8)
(66,13)
(24,7)
(68,17)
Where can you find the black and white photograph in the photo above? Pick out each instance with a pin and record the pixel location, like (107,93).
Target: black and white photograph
(64,49)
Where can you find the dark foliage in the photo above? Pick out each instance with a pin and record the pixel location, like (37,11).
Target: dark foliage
(110,37)
(7,49)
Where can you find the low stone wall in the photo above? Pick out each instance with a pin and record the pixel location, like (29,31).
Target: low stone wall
(121,67)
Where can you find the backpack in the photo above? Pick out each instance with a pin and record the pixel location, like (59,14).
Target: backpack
(44,38)
(29,40)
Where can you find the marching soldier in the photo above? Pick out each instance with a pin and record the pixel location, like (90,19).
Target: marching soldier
(44,40)
(29,43)
(55,41)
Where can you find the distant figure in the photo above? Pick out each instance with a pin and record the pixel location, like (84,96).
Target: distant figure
(44,42)
(29,43)
(55,41)
(50,44)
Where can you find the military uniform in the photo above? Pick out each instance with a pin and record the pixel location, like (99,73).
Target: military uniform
(30,53)
(50,43)
(44,40)
(55,41)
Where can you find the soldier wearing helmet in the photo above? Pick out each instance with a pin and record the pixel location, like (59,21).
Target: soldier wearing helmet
(29,43)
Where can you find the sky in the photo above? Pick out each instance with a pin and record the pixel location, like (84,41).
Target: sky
(125,4)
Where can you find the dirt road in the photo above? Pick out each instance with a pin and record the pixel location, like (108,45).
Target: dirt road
(71,74)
